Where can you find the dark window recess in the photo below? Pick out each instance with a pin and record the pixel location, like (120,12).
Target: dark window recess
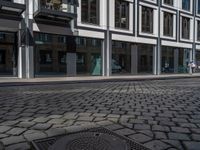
(121,14)
(2,36)
(147,19)
(90,11)
(186,5)
(61,39)
(198,30)
(198,5)
(169,2)
(43,37)
(45,57)
(168,24)
(62,57)
(185,28)
(2,57)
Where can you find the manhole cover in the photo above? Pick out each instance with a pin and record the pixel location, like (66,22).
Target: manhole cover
(91,139)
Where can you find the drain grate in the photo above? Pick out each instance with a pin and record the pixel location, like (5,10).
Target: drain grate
(91,139)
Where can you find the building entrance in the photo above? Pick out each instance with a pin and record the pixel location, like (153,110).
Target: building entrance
(8,54)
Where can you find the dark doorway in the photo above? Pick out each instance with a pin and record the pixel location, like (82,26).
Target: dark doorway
(8,54)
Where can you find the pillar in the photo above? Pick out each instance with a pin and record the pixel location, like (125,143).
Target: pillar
(134,59)
(176,54)
(71,64)
(154,60)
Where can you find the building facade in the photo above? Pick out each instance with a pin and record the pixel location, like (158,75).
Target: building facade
(98,37)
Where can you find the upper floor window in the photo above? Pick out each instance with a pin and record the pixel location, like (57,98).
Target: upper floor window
(169,2)
(121,14)
(43,37)
(186,5)
(198,6)
(168,24)
(2,36)
(90,11)
(185,28)
(198,30)
(147,19)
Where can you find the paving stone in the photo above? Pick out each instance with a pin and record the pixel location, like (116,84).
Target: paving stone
(3,129)
(16,131)
(19,146)
(55,132)
(125,131)
(85,118)
(13,140)
(26,124)
(142,127)
(141,138)
(41,120)
(35,136)
(3,135)
(175,143)
(57,121)
(192,145)
(114,127)
(180,130)
(160,135)
(196,137)
(157,145)
(160,128)
(42,126)
(178,136)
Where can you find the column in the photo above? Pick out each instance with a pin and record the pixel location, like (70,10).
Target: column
(176,54)
(154,60)
(103,58)
(71,64)
(191,59)
(134,59)
(26,44)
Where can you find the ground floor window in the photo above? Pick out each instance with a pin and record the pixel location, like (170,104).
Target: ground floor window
(145,59)
(8,54)
(51,55)
(121,58)
(197,61)
(174,60)
(89,59)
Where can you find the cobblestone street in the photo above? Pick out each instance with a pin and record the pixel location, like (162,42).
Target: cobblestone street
(160,114)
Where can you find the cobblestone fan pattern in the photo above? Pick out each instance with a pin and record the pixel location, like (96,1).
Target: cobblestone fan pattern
(161,114)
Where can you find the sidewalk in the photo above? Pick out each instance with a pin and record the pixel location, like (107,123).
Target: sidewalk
(42,80)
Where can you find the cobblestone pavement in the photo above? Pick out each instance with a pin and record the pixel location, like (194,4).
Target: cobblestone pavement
(161,114)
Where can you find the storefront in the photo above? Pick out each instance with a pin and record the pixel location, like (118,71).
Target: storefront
(121,58)
(52,55)
(197,61)
(145,59)
(128,58)
(175,60)
(8,54)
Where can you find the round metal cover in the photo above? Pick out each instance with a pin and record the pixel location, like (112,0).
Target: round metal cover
(89,141)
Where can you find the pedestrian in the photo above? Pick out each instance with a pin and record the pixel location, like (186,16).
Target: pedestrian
(192,67)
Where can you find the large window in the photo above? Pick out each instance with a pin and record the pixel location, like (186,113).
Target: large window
(90,11)
(168,24)
(198,30)
(121,14)
(185,28)
(198,6)
(147,20)
(186,5)
(168,2)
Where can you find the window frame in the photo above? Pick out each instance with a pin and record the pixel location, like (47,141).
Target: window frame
(127,13)
(88,13)
(151,24)
(171,27)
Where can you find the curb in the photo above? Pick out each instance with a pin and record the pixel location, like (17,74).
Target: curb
(32,83)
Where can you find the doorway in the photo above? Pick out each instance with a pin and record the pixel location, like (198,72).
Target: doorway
(8,54)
